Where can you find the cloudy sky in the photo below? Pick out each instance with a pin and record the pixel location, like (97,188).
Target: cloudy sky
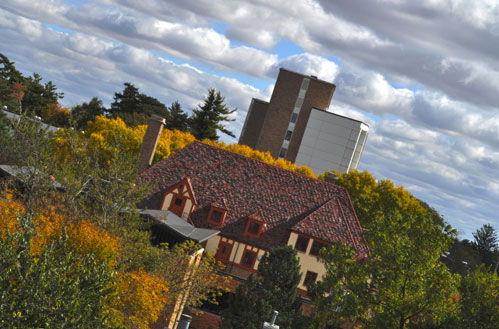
(423,74)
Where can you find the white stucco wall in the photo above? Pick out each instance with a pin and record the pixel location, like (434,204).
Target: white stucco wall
(307,261)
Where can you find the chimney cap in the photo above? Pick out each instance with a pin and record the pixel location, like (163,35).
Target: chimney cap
(331,177)
(157,118)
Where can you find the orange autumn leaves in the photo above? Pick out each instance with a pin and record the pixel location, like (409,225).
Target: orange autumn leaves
(139,296)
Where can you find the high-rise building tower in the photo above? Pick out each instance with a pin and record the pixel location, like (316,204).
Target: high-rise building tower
(295,125)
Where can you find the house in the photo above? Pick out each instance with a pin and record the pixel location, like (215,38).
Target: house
(254,206)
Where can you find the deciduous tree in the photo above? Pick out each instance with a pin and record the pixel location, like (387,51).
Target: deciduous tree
(479,299)
(372,198)
(404,281)
(55,286)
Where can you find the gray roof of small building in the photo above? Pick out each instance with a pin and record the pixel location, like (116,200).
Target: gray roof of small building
(176,224)
(44,126)
(20,172)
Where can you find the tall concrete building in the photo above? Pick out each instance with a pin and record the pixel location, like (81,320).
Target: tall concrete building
(295,125)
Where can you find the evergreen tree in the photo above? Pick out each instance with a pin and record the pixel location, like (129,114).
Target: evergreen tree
(134,108)
(176,118)
(4,136)
(486,242)
(273,288)
(9,77)
(208,118)
(8,71)
(82,114)
(38,96)
(127,101)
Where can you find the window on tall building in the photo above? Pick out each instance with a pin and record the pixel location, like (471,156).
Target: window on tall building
(301,243)
(294,117)
(289,133)
(283,152)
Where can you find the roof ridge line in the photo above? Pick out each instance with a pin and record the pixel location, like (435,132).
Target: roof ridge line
(319,207)
(260,161)
(349,228)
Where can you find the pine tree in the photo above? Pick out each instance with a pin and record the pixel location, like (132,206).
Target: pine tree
(134,107)
(176,118)
(273,288)
(208,118)
(486,242)
(82,114)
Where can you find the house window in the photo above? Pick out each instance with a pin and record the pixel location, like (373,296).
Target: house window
(310,277)
(216,216)
(316,247)
(283,152)
(223,252)
(301,243)
(248,259)
(294,117)
(288,135)
(253,228)
(177,204)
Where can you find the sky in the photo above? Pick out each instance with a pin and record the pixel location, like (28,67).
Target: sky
(424,75)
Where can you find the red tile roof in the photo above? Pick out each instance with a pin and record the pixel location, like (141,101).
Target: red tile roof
(288,201)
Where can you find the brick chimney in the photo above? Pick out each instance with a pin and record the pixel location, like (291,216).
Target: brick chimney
(148,148)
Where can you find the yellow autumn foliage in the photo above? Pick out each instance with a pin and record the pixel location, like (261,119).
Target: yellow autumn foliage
(9,210)
(48,227)
(140,296)
(140,299)
(108,138)
(88,238)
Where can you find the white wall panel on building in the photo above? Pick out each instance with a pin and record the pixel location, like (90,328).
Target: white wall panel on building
(331,142)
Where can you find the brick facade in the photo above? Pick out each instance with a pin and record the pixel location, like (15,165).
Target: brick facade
(150,141)
(254,123)
(319,95)
(267,123)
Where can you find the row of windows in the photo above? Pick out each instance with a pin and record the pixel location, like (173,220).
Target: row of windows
(216,217)
(302,245)
(294,117)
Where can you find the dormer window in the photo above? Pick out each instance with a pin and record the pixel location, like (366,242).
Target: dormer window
(254,227)
(216,216)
